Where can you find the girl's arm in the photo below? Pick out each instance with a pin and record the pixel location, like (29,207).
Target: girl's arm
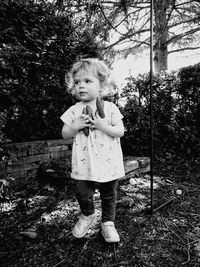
(78,124)
(68,132)
(116,130)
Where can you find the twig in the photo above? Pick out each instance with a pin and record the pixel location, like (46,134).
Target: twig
(115,253)
(185,213)
(188,254)
(119,263)
(67,234)
(85,245)
(164,204)
(187,245)
(173,231)
(59,263)
(185,163)
(188,250)
(192,242)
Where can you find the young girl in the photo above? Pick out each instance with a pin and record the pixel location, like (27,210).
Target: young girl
(97,156)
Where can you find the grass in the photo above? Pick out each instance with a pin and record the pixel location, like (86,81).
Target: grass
(169,237)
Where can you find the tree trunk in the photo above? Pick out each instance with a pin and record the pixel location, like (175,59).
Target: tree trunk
(160,35)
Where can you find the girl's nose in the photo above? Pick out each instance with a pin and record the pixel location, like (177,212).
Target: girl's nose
(81,84)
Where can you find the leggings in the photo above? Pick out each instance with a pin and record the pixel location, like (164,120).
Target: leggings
(108,194)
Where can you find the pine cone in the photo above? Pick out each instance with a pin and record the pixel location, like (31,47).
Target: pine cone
(89,112)
(100,107)
(84,111)
(86,129)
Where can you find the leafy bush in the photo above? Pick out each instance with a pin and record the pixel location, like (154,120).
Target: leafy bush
(38,46)
(188,105)
(176,108)
(5,188)
(55,172)
(5,180)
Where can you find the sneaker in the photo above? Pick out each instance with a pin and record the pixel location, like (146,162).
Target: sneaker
(81,227)
(109,232)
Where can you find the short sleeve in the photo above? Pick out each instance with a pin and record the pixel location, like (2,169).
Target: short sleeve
(115,114)
(68,116)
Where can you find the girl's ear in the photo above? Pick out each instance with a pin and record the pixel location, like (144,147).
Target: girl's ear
(102,88)
(101,92)
(72,90)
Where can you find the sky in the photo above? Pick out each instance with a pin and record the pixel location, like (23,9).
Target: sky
(135,64)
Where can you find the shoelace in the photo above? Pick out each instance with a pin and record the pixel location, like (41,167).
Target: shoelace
(110,227)
(86,219)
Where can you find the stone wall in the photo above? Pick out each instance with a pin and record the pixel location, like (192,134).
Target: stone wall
(26,157)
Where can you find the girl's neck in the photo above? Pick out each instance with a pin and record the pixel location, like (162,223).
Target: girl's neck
(91,103)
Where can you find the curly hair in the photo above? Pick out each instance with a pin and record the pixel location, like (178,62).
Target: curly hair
(98,67)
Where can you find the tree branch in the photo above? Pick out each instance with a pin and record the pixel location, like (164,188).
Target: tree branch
(179,36)
(182,4)
(183,22)
(105,17)
(183,49)
(128,36)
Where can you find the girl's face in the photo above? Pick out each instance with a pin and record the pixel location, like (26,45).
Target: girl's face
(87,85)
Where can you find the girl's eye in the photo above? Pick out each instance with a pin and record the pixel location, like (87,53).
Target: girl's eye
(76,82)
(88,81)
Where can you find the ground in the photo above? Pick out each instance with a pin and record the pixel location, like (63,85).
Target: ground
(169,237)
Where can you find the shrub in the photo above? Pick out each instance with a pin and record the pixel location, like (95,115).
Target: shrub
(188,105)
(5,180)
(55,172)
(38,46)
(176,110)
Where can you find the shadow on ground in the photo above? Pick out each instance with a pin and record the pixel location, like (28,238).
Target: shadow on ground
(171,237)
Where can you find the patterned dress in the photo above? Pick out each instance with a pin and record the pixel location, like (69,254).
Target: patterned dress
(97,157)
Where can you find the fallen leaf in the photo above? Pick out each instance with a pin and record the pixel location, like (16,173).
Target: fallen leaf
(31,235)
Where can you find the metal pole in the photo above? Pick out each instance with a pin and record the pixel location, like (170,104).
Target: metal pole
(151,106)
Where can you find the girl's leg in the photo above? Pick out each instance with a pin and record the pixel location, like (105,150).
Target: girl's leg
(84,194)
(108,193)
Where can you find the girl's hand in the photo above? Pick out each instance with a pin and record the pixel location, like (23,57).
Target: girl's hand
(97,122)
(116,130)
(81,122)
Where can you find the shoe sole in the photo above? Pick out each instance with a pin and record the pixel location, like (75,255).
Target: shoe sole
(110,240)
(80,236)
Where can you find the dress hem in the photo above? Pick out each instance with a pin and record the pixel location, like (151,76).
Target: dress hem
(98,181)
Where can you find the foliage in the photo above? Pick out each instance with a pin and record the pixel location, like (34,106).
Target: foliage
(38,46)
(55,172)
(188,95)
(175,26)
(5,188)
(176,105)
(124,26)
(5,180)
